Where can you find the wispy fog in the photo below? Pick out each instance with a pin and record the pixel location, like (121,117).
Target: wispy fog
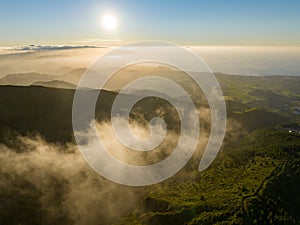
(54,184)
(47,183)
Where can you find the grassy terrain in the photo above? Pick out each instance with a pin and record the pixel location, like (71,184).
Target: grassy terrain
(255,179)
(257,183)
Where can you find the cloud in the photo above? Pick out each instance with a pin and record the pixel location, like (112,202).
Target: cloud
(46,47)
(44,183)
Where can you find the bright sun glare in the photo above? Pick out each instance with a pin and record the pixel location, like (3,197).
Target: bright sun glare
(109,22)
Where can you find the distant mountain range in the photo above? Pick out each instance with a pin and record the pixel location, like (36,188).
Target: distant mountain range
(67,80)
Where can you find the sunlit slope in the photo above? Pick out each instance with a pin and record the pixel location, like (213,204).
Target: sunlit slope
(257,183)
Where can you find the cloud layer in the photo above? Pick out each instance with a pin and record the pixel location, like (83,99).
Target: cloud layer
(46,47)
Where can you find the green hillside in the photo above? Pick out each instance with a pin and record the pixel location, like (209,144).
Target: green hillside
(255,179)
(257,183)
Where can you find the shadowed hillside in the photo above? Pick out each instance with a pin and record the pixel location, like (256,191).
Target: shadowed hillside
(254,179)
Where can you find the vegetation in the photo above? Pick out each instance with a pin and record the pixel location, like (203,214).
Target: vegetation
(255,179)
(257,183)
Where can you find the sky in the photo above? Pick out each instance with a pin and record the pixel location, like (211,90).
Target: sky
(194,22)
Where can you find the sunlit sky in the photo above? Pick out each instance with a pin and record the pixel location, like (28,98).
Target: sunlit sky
(197,22)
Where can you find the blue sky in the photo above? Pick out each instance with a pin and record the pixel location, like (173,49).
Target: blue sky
(214,22)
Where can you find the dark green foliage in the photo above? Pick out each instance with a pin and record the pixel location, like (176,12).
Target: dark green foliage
(257,183)
(252,181)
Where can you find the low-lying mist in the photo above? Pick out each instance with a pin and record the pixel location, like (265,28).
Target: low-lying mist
(46,183)
(52,184)
(49,183)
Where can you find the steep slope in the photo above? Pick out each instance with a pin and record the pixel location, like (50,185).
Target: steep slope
(257,183)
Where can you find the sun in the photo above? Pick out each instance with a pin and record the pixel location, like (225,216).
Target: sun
(109,22)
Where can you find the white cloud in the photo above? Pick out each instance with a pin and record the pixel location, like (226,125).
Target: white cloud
(45,47)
